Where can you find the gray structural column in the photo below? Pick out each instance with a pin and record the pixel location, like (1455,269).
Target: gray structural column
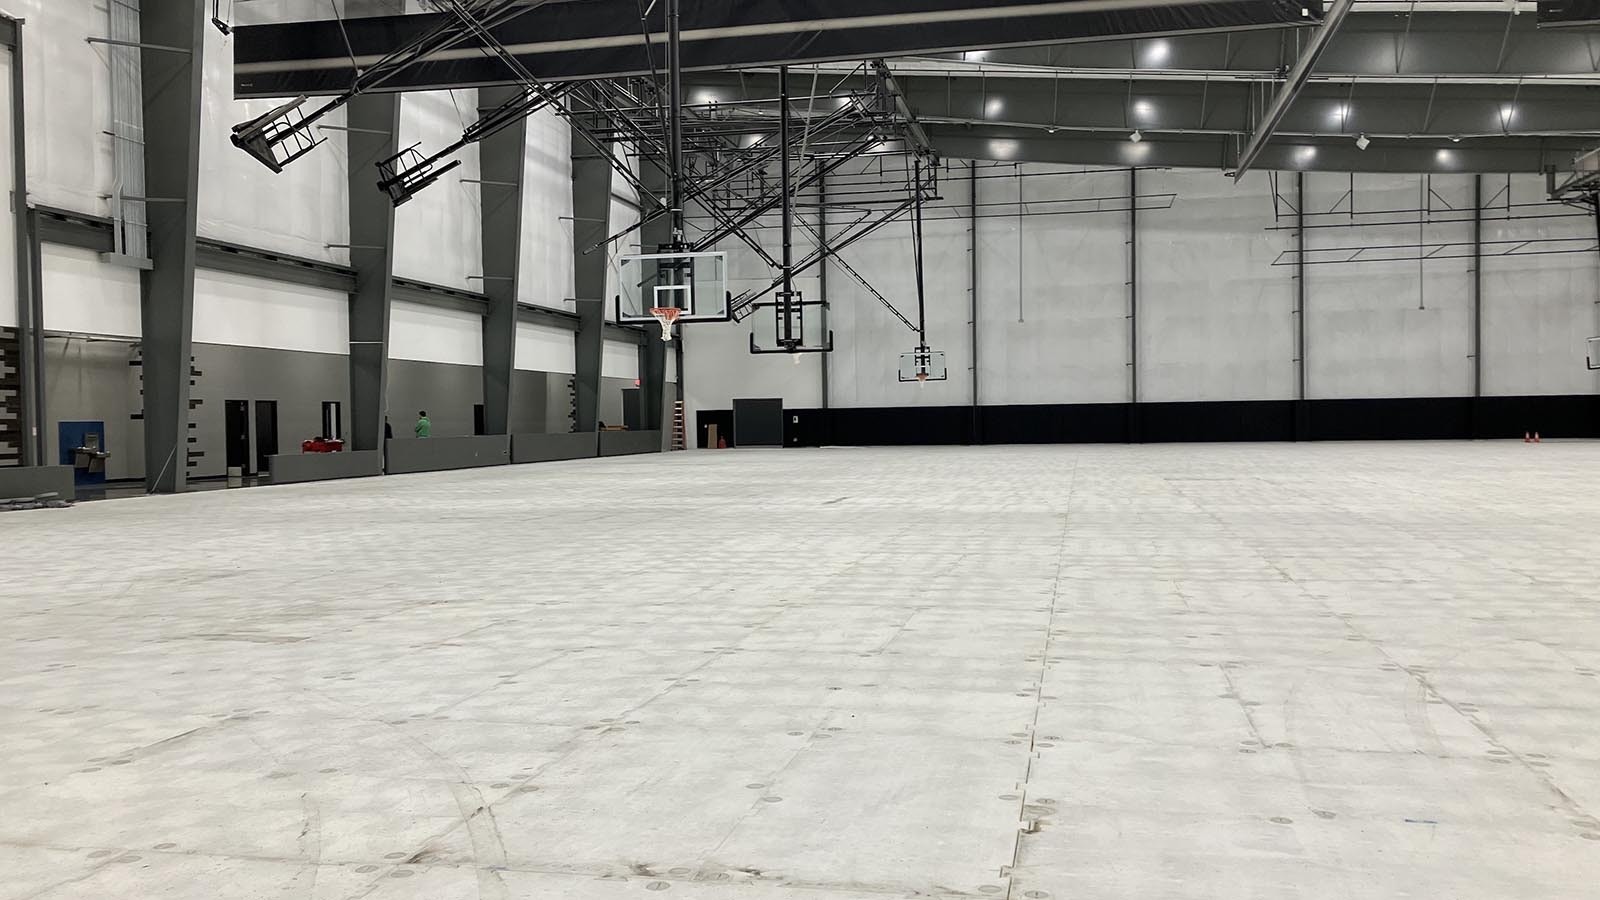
(591,212)
(171,88)
(1302,411)
(374,123)
(972,292)
(29,299)
(1477,286)
(500,158)
(655,237)
(1134,431)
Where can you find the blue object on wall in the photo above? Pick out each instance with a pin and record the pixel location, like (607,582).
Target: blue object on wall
(71,436)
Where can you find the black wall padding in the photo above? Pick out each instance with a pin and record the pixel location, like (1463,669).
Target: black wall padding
(1409,418)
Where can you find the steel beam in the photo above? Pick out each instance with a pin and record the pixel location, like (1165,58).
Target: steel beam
(1292,85)
(374,121)
(1201,152)
(500,156)
(1370,47)
(591,211)
(171,92)
(602,39)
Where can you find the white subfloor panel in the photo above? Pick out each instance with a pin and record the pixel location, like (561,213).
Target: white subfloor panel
(1266,671)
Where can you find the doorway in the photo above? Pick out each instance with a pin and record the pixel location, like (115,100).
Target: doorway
(266,432)
(332,420)
(236,432)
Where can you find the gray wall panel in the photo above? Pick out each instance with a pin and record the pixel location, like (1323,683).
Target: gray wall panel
(32,481)
(626,443)
(299,382)
(531,448)
(447,392)
(91,381)
(292,468)
(440,454)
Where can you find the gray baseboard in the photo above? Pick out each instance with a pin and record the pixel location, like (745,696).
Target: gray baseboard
(532,448)
(625,443)
(27,482)
(445,453)
(293,468)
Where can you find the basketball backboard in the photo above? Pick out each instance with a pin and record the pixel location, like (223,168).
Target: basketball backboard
(929,364)
(794,325)
(696,283)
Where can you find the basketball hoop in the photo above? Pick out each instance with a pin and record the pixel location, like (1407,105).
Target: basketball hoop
(922,378)
(667,316)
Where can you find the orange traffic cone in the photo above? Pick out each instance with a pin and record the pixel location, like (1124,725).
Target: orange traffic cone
(1527,437)
(1536,438)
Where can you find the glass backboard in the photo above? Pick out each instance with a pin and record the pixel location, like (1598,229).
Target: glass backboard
(924,362)
(696,283)
(806,331)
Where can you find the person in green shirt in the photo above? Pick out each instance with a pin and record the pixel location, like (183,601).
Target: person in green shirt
(424,427)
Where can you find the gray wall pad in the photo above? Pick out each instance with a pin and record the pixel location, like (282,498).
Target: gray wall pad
(291,468)
(441,454)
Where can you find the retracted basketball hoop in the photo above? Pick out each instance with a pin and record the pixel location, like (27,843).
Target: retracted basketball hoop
(667,316)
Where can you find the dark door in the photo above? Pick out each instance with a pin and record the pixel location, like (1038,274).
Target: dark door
(758,423)
(236,430)
(332,421)
(479,426)
(266,432)
(633,409)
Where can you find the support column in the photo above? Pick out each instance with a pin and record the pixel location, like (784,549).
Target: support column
(591,211)
(1477,286)
(374,122)
(1302,409)
(972,292)
(822,275)
(1134,431)
(171,90)
(656,237)
(30,320)
(500,158)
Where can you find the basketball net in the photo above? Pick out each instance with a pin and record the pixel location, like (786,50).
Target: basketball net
(667,316)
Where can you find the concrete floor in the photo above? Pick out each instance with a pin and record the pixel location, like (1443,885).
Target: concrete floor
(1316,671)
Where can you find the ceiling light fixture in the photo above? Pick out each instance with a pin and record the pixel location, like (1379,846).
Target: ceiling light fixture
(1363,142)
(1136,137)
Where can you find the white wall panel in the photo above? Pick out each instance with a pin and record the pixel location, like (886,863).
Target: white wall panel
(541,348)
(83,295)
(1387,329)
(438,233)
(1216,318)
(620,359)
(68,103)
(546,247)
(869,338)
(244,311)
(1537,310)
(433,334)
(1052,292)
(718,367)
(300,211)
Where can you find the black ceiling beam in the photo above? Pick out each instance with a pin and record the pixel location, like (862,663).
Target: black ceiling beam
(564,41)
